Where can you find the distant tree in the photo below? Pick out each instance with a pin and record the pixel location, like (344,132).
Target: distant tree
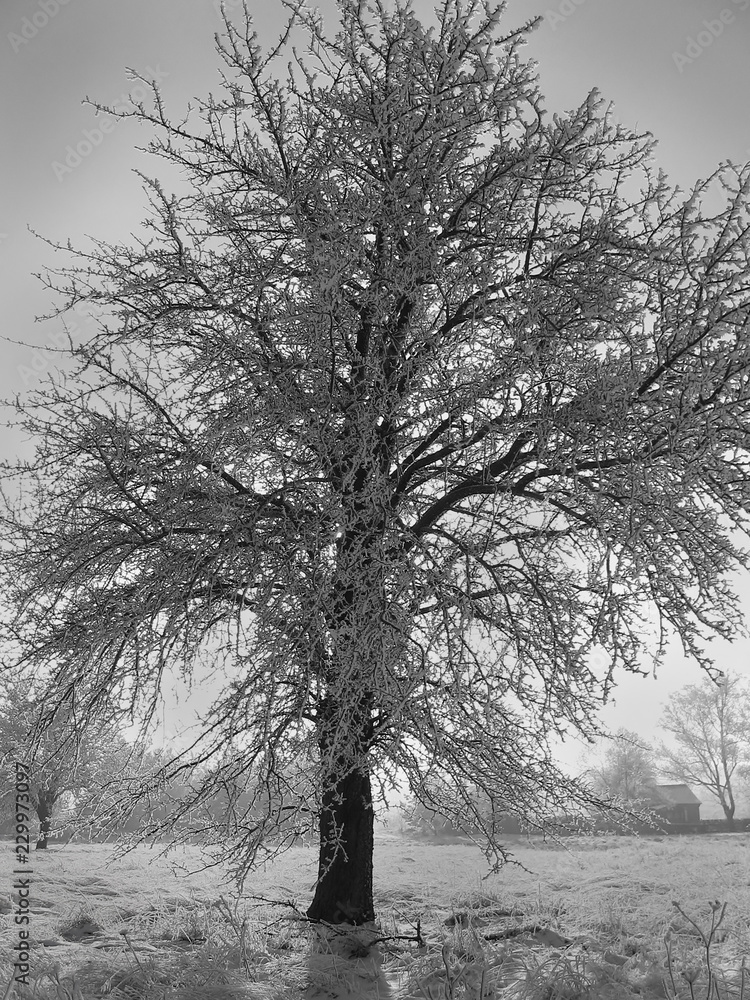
(129,803)
(624,768)
(62,757)
(214,804)
(416,402)
(710,728)
(423,819)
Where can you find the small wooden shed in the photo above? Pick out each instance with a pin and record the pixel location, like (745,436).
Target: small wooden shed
(678,804)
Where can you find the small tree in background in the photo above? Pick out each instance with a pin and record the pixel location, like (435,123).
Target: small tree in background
(422,820)
(62,757)
(710,728)
(419,401)
(623,768)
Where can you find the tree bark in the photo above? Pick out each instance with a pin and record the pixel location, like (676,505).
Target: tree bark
(727,800)
(729,813)
(343,893)
(44,812)
(344,890)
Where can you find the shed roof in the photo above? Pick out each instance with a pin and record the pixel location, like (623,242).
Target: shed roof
(678,795)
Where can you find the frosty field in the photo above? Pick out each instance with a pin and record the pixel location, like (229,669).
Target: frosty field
(590,922)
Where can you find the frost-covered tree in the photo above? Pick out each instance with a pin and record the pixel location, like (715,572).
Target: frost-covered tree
(60,755)
(709,726)
(418,413)
(624,768)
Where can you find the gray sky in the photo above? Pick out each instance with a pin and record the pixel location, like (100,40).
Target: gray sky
(677,68)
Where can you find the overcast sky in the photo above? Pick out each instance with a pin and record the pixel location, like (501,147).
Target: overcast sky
(677,68)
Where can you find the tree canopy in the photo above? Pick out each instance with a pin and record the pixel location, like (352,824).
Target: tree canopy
(419,415)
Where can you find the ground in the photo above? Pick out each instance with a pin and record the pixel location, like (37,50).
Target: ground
(597,920)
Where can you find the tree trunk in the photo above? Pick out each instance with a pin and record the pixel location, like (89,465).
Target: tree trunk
(728,805)
(44,812)
(343,893)
(729,813)
(344,890)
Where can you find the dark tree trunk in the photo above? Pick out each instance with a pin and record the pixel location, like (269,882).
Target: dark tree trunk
(728,804)
(44,812)
(343,893)
(729,813)
(344,890)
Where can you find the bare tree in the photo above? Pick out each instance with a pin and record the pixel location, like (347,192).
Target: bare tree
(420,401)
(710,727)
(623,768)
